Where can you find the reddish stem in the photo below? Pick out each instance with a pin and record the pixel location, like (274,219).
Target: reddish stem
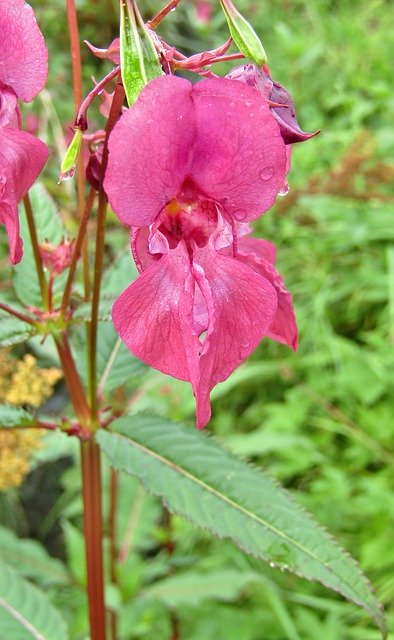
(73,381)
(152,24)
(113,543)
(36,249)
(77,85)
(116,107)
(81,118)
(77,250)
(15,313)
(92,523)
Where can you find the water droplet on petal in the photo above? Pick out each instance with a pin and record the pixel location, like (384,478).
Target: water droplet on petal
(66,175)
(240,214)
(285,189)
(267,172)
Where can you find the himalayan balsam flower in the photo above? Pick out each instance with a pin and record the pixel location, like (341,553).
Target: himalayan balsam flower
(23,73)
(189,167)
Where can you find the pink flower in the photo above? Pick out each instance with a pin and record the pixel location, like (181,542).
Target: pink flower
(185,169)
(204,11)
(57,258)
(23,73)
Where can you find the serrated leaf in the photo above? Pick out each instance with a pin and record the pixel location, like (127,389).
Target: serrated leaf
(14,331)
(25,611)
(139,61)
(11,417)
(192,588)
(201,481)
(31,560)
(49,227)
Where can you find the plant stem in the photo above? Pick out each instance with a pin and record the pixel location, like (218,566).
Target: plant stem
(152,24)
(113,543)
(77,85)
(13,312)
(73,381)
(93,531)
(36,249)
(116,107)
(81,117)
(77,250)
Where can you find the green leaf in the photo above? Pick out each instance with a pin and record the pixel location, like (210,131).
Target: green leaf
(243,34)
(30,559)
(191,589)
(49,227)
(139,61)
(14,331)
(75,551)
(11,417)
(199,480)
(25,611)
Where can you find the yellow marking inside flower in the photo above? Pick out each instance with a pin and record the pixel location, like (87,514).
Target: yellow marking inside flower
(174,208)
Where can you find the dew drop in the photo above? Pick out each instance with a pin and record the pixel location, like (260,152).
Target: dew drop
(267,172)
(285,189)
(66,175)
(272,565)
(240,214)
(149,121)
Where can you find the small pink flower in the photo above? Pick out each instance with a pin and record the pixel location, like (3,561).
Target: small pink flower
(57,258)
(204,11)
(23,73)
(185,167)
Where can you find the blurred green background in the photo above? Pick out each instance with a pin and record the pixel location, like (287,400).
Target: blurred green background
(322,420)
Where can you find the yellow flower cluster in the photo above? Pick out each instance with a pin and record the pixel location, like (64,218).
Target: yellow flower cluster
(21,383)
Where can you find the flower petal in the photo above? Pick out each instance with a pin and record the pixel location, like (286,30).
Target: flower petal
(259,255)
(149,151)
(23,54)
(154,316)
(242,305)
(22,158)
(239,155)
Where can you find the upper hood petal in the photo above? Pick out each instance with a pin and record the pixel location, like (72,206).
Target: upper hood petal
(239,156)
(149,151)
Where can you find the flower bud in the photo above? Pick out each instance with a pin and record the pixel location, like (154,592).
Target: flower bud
(243,34)
(67,168)
(139,62)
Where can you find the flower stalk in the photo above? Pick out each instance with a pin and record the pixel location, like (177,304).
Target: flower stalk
(116,107)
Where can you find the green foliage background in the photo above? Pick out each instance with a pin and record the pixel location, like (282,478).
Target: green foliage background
(321,420)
